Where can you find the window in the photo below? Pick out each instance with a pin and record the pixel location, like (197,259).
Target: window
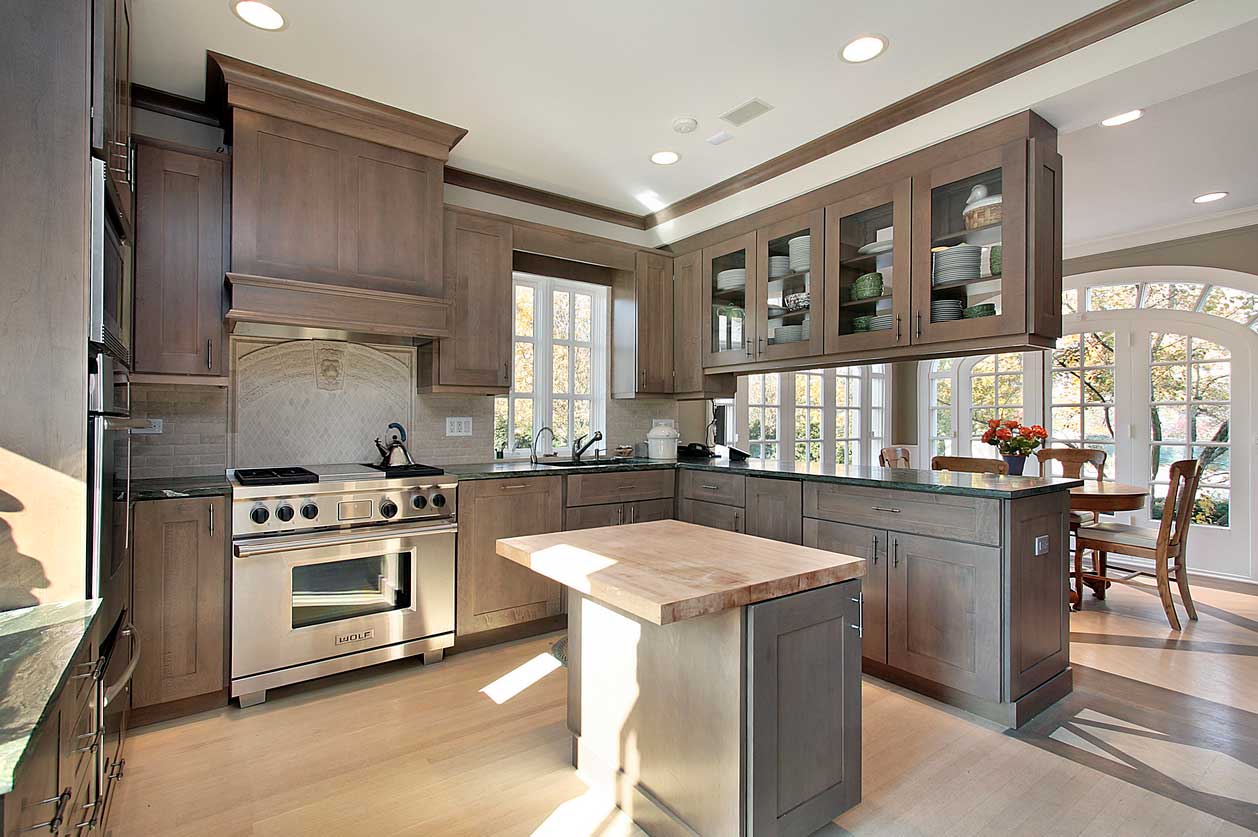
(558,365)
(1190,406)
(939,410)
(1081,399)
(995,393)
(816,416)
(962,394)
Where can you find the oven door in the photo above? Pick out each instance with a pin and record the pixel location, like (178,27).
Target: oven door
(310,597)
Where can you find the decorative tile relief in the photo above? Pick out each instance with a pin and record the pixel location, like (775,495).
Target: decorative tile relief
(316,401)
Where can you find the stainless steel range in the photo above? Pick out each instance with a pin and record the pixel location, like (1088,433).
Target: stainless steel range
(336,567)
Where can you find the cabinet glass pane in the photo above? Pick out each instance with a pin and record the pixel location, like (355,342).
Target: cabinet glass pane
(966,252)
(729,301)
(789,284)
(866,280)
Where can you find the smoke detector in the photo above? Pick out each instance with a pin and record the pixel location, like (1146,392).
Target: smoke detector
(685,124)
(746,112)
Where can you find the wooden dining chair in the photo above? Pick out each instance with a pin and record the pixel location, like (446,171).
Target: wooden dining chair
(969,464)
(1072,461)
(1166,545)
(894,457)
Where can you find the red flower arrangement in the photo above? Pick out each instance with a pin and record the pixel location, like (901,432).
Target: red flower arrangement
(1012,438)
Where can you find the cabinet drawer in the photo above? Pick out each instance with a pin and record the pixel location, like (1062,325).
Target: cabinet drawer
(715,515)
(592,517)
(730,489)
(969,519)
(620,487)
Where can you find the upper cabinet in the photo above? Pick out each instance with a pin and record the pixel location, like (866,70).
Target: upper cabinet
(642,328)
(111,99)
(790,289)
(689,303)
(180,258)
(730,290)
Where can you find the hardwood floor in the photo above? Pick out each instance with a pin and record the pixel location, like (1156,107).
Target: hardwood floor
(1160,737)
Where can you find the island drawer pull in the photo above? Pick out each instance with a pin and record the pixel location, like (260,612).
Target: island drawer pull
(885,509)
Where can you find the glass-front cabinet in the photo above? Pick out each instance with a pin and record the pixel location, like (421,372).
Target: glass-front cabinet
(967,216)
(867,270)
(730,276)
(790,256)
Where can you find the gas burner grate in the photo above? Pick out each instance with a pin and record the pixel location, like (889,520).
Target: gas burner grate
(275,476)
(416,470)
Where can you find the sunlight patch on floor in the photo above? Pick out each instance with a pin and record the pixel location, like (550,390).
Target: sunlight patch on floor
(592,814)
(520,678)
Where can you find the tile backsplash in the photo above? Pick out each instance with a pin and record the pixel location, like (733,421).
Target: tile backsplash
(193,440)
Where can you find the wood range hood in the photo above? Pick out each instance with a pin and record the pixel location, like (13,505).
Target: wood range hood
(336,206)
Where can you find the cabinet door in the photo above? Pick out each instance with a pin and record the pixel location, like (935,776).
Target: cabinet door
(180,594)
(179,261)
(493,592)
(943,612)
(34,798)
(803,709)
(1044,240)
(729,310)
(790,288)
(478,284)
(316,205)
(872,545)
(645,511)
(943,274)
(654,283)
(715,515)
(688,324)
(120,163)
(775,509)
(592,517)
(867,235)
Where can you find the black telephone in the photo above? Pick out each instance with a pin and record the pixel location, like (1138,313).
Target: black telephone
(695,450)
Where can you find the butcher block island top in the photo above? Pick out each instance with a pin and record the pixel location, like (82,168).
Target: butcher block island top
(666,571)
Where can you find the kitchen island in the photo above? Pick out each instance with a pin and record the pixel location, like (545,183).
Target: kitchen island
(714,677)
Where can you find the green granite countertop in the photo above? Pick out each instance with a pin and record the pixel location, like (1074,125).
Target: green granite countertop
(902,479)
(36,647)
(166,488)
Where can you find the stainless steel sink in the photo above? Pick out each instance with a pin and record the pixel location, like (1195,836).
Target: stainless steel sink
(582,463)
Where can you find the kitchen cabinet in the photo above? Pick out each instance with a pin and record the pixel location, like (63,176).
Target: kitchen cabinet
(476,357)
(689,303)
(774,509)
(868,234)
(617,514)
(36,797)
(642,328)
(180,594)
(873,546)
(492,592)
(180,258)
(111,100)
(317,205)
(713,487)
(729,281)
(790,292)
(620,486)
(715,515)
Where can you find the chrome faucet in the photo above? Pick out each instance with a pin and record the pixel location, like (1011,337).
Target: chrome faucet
(578,448)
(536,436)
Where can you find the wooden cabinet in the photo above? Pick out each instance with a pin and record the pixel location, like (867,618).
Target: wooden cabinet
(873,546)
(38,787)
(713,487)
(180,594)
(944,613)
(492,592)
(623,486)
(111,99)
(689,303)
(730,288)
(617,514)
(311,204)
(868,234)
(775,509)
(716,515)
(476,357)
(180,259)
(790,292)
(642,328)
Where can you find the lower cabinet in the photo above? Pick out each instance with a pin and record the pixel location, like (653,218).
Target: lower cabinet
(616,514)
(873,546)
(493,592)
(766,508)
(716,515)
(40,793)
(180,591)
(775,509)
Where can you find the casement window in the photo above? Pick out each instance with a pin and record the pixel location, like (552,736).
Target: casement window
(559,365)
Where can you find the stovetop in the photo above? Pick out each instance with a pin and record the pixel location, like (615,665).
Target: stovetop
(339,472)
(275,476)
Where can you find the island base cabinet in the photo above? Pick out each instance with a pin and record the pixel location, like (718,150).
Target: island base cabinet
(943,613)
(872,545)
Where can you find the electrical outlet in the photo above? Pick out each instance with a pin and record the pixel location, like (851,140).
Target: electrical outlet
(458,425)
(154,428)
(1041,544)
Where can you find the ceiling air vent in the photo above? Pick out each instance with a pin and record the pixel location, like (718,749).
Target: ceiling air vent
(746,112)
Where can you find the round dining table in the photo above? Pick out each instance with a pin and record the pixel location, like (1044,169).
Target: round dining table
(1101,497)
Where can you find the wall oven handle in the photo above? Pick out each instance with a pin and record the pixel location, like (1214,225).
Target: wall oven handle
(266,547)
(112,690)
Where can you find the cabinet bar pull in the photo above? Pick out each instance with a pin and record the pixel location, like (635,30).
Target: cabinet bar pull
(710,487)
(760,350)
(515,487)
(209,353)
(620,515)
(895,552)
(211,520)
(736,521)
(919,323)
(506,373)
(875,550)
(885,509)
(897,329)
(53,825)
(859,627)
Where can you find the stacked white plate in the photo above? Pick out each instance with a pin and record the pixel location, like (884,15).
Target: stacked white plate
(945,310)
(957,263)
(880,323)
(779,266)
(800,250)
(874,248)
(788,334)
(727,280)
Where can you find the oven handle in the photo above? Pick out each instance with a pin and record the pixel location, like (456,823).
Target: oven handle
(249,549)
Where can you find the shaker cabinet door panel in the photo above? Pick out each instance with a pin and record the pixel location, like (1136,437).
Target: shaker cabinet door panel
(873,545)
(478,285)
(775,509)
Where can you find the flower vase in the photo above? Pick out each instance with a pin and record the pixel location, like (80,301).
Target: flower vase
(1016,463)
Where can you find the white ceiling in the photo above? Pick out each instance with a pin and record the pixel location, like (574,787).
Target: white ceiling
(573,97)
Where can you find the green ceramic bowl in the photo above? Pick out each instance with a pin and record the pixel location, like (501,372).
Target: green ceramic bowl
(997,259)
(861,323)
(986,309)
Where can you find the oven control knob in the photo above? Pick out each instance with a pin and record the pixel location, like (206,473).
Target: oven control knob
(310,511)
(419,501)
(388,508)
(438,500)
(284,512)
(259,515)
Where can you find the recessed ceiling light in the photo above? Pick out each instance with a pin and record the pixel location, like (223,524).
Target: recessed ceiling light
(665,158)
(259,14)
(864,48)
(1122,118)
(1210,197)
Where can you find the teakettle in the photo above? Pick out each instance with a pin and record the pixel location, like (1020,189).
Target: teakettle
(395,454)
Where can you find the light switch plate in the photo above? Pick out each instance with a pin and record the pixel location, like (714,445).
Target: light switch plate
(154,428)
(1041,544)
(458,425)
